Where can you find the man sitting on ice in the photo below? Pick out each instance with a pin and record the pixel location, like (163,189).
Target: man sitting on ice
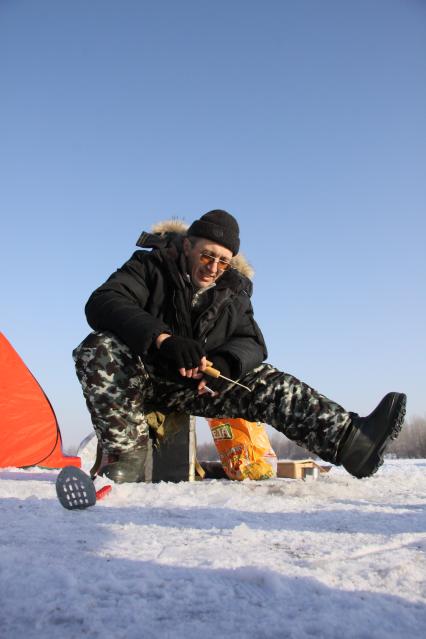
(167,311)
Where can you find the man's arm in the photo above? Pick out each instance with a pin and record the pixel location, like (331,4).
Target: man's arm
(119,306)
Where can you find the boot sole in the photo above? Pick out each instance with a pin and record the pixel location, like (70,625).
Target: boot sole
(370,465)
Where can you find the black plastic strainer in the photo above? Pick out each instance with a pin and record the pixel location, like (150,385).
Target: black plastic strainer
(75,489)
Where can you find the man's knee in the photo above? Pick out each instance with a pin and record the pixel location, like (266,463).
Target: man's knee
(100,342)
(102,351)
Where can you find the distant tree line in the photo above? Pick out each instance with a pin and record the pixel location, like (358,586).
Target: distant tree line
(410,444)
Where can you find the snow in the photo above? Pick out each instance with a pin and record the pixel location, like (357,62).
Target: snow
(332,558)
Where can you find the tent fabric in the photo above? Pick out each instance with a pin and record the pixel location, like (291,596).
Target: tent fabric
(29,431)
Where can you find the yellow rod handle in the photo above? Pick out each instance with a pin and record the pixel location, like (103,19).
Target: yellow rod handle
(213,372)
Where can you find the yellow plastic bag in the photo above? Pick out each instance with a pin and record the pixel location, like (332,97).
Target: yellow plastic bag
(244,448)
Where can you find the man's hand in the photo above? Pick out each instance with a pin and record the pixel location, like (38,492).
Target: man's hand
(183,353)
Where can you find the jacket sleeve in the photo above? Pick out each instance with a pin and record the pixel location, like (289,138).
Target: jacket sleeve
(246,348)
(119,306)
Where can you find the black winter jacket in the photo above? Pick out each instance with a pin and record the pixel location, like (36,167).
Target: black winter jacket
(152,294)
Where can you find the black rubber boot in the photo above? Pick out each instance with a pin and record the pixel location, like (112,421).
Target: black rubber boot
(126,467)
(362,450)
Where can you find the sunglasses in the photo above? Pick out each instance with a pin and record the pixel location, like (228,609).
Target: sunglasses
(222,265)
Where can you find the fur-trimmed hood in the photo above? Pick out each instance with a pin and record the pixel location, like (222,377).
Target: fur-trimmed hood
(179,227)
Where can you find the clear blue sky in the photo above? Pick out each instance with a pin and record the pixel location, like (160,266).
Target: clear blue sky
(304,119)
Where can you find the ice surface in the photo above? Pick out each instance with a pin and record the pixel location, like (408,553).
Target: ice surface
(332,558)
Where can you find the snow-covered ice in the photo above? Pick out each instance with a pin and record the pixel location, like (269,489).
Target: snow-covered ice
(332,558)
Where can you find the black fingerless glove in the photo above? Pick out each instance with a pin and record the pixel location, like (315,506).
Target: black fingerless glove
(181,352)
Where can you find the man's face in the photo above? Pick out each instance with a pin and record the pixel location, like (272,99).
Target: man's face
(202,274)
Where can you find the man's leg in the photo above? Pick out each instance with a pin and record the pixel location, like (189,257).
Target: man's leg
(277,399)
(309,418)
(114,385)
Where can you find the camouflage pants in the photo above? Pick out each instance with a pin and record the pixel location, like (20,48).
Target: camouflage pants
(120,393)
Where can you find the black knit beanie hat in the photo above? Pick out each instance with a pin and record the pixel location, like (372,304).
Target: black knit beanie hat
(220,227)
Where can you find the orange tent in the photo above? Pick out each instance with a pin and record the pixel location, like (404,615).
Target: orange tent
(29,431)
